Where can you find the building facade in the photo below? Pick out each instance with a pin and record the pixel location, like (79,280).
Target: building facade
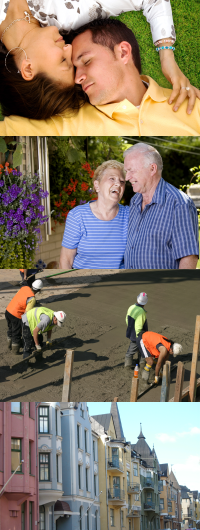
(49,463)
(80,469)
(18,449)
(189,518)
(170,500)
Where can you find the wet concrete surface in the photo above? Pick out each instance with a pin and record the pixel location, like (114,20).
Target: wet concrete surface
(96,329)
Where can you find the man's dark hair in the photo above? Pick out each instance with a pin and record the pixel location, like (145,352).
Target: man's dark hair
(109,32)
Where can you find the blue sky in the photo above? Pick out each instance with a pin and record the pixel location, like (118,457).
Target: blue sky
(173,428)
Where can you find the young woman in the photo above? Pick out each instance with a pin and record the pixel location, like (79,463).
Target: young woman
(37,74)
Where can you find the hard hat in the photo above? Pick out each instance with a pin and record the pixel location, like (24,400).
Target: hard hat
(60,315)
(142,299)
(177,349)
(37,285)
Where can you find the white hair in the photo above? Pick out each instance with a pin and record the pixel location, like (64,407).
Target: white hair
(177,349)
(149,152)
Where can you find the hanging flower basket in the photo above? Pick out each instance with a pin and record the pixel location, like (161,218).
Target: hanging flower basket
(21,215)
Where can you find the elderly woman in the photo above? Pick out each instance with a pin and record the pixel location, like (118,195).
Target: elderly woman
(96,232)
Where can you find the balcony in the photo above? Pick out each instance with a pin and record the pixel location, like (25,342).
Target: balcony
(114,463)
(149,505)
(116,496)
(134,511)
(133,487)
(148,483)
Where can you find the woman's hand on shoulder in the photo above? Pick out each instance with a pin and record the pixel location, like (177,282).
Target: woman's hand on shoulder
(182,88)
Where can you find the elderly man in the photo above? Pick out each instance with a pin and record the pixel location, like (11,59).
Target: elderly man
(107,60)
(156,348)
(163,222)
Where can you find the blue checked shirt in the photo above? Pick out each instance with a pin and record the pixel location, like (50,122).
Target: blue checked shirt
(164,232)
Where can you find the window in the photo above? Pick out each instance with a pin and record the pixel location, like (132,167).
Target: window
(95,524)
(128,478)
(87,479)
(43,419)
(122,518)
(56,420)
(44,470)
(80,521)
(95,485)
(57,468)
(78,436)
(169,507)
(135,470)
(129,503)
(129,525)
(42,518)
(94,450)
(16,407)
(88,522)
(86,445)
(161,504)
(30,515)
(81,411)
(23,516)
(111,517)
(79,477)
(137,497)
(29,457)
(149,496)
(16,454)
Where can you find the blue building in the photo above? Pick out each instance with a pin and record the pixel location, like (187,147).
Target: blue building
(79,469)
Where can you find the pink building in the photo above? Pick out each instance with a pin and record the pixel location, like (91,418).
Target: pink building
(19,499)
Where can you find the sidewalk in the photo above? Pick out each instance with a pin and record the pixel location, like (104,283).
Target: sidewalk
(55,287)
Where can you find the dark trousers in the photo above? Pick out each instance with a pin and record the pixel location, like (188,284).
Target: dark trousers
(28,281)
(133,353)
(14,328)
(28,340)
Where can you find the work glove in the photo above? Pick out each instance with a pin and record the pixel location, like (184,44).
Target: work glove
(38,347)
(156,379)
(49,343)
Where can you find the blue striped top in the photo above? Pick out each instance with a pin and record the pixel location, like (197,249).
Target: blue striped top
(100,244)
(164,232)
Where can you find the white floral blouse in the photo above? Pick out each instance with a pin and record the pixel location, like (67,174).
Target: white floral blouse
(71,14)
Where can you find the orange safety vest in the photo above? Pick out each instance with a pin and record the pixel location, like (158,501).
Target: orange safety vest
(152,339)
(22,270)
(17,306)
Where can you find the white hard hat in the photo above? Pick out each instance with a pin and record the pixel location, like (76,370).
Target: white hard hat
(37,285)
(142,299)
(177,349)
(60,315)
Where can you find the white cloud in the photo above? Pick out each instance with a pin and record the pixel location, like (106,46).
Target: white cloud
(188,472)
(164,437)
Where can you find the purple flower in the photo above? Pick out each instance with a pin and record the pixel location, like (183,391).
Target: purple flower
(1,183)
(82,202)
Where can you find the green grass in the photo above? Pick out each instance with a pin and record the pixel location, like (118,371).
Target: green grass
(186,15)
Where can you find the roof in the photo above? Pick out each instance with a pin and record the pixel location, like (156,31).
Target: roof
(144,450)
(164,470)
(117,421)
(104,420)
(184,492)
(61,506)
(174,480)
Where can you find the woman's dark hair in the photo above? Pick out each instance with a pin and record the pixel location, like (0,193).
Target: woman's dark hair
(109,32)
(39,98)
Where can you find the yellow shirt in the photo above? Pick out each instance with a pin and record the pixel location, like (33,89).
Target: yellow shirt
(154,117)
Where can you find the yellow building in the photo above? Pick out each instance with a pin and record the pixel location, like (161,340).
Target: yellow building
(170,500)
(120,485)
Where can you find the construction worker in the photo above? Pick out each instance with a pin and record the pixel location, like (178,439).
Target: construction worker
(26,273)
(136,321)
(156,348)
(23,301)
(36,322)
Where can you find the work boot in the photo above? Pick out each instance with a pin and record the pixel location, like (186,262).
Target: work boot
(9,343)
(128,363)
(26,354)
(15,348)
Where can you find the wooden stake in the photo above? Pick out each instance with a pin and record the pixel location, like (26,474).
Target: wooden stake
(115,400)
(69,359)
(165,382)
(192,386)
(134,388)
(179,382)
(185,392)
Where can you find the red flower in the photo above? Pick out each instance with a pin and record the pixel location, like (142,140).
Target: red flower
(58,204)
(84,186)
(65,214)
(7,164)
(73,203)
(1,166)
(71,187)
(92,174)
